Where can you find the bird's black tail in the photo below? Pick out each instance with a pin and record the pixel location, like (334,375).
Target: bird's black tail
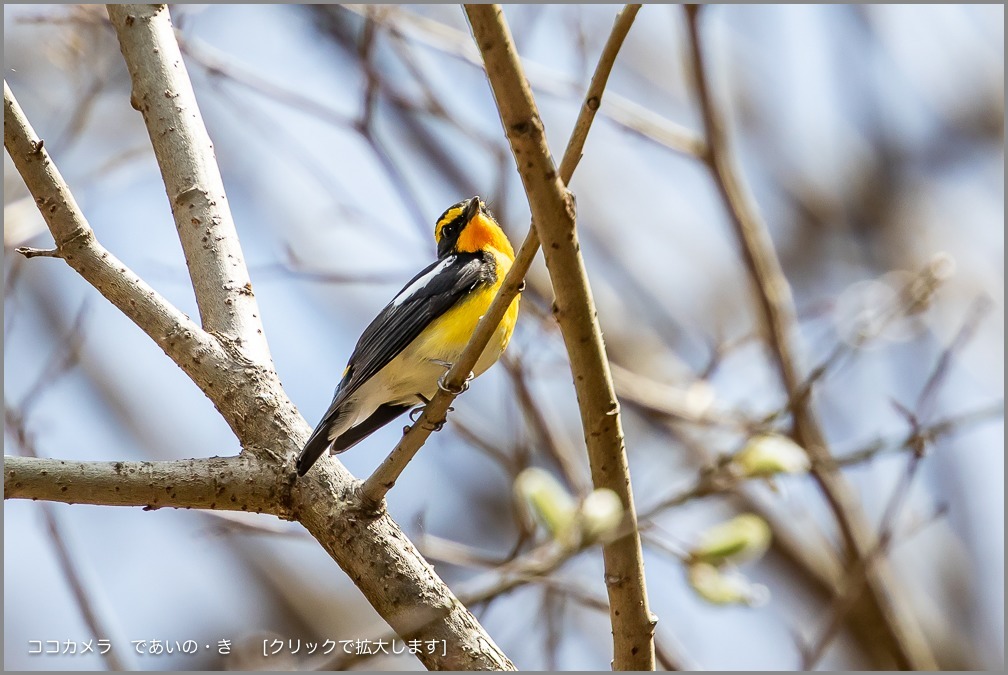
(313,449)
(319,440)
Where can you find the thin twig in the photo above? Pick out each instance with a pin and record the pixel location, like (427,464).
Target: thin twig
(677,403)
(511,465)
(858,575)
(974,315)
(929,434)
(220,64)
(620,110)
(454,553)
(29,252)
(65,357)
(717,479)
(916,291)
(367,123)
(556,444)
(99,627)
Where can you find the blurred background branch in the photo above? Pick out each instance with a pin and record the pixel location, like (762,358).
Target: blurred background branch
(777,318)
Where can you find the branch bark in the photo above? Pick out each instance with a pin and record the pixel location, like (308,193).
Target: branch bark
(554,218)
(164,95)
(897,626)
(222,483)
(197,353)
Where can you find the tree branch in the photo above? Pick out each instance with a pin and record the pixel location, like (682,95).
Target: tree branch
(164,95)
(897,625)
(223,483)
(574,309)
(197,353)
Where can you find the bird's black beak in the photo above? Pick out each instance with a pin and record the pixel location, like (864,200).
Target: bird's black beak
(474,208)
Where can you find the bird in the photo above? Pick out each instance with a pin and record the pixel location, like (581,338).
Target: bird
(404,352)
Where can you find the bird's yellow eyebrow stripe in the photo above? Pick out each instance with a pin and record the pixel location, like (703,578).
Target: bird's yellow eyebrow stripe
(449,216)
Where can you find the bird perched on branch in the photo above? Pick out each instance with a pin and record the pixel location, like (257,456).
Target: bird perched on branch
(401,357)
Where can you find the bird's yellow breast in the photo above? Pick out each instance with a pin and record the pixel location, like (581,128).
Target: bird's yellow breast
(448,335)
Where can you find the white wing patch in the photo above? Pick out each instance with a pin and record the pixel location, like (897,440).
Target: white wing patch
(420,283)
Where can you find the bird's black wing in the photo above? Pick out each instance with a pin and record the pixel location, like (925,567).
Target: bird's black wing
(427,296)
(423,299)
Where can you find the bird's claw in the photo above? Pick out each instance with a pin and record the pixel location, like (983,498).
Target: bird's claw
(443,386)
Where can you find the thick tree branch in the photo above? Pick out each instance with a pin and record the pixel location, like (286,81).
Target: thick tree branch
(400,584)
(574,309)
(163,93)
(223,483)
(391,573)
(197,353)
(897,625)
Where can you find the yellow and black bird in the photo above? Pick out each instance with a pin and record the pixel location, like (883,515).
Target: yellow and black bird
(402,355)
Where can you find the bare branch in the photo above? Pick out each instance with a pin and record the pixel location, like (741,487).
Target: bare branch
(29,252)
(163,93)
(858,574)
(977,310)
(556,444)
(196,352)
(927,434)
(620,110)
(574,309)
(593,98)
(677,403)
(225,483)
(897,625)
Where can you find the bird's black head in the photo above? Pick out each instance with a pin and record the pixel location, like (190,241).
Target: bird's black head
(453,221)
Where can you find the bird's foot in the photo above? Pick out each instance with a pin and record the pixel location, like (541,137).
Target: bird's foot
(454,391)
